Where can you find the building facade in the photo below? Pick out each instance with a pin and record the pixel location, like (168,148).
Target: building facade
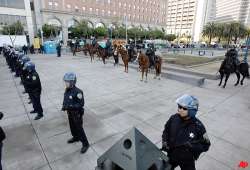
(232,10)
(187,17)
(65,13)
(17,10)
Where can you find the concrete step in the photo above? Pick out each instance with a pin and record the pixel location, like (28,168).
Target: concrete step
(191,72)
(175,74)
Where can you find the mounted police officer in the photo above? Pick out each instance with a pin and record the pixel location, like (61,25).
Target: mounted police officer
(34,88)
(184,136)
(108,47)
(151,54)
(73,103)
(94,42)
(130,50)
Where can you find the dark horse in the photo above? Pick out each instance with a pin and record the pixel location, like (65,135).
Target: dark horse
(92,50)
(157,66)
(143,64)
(229,66)
(103,54)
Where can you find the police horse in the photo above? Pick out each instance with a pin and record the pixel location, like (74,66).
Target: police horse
(143,64)
(229,65)
(125,56)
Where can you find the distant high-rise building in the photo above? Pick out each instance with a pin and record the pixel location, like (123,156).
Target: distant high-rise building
(17,10)
(187,17)
(233,10)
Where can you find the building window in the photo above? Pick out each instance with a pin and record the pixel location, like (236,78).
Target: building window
(103,12)
(114,13)
(90,9)
(120,4)
(50,3)
(68,6)
(97,11)
(83,8)
(109,13)
(12,4)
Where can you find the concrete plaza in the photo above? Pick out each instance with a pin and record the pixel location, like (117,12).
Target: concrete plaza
(115,102)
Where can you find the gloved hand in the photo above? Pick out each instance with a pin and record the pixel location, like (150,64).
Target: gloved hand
(165,147)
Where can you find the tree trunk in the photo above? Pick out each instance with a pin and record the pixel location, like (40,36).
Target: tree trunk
(235,40)
(210,39)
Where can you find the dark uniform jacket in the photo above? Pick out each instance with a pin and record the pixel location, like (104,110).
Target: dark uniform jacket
(2,135)
(185,138)
(73,100)
(32,83)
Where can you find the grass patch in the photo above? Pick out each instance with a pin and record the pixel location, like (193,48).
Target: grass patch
(187,60)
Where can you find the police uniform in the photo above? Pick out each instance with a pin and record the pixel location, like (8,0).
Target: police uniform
(73,103)
(33,86)
(185,140)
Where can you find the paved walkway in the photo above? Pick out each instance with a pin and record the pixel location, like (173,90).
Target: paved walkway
(115,102)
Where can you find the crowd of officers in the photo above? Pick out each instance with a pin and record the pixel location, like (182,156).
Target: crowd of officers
(184,136)
(24,68)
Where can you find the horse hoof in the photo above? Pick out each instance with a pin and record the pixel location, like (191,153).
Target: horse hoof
(154,77)
(223,86)
(145,81)
(141,80)
(241,83)
(159,78)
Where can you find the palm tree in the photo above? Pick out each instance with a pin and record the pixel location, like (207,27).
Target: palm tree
(209,31)
(219,31)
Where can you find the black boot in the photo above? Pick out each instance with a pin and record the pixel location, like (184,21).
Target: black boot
(84,149)
(39,116)
(73,140)
(33,111)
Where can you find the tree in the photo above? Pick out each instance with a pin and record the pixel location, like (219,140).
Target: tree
(13,29)
(219,31)
(81,29)
(170,37)
(101,31)
(50,30)
(209,31)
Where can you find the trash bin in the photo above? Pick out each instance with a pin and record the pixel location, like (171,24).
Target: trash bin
(133,152)
(50,47)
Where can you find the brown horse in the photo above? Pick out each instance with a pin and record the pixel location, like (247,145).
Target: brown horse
(158,64)
(92,51)
(102,53)
(143,65)
(125,57)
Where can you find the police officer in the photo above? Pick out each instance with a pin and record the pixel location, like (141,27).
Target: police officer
(184,136)
(34,88)
(108,47)
(73,103)
(2,137)
(58,49)
(94,42)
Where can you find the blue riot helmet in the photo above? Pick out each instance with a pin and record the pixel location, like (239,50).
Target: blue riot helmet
(29,66)
(189,102)
(70,79)
(25,59)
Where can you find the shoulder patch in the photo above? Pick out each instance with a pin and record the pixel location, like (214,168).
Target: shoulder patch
(34,77)
(28,77)
(79,95)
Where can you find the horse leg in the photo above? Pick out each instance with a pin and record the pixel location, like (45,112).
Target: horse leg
(146,76)
(238,78)
(142,74)
(221,78)
(155,73)
(227,76)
